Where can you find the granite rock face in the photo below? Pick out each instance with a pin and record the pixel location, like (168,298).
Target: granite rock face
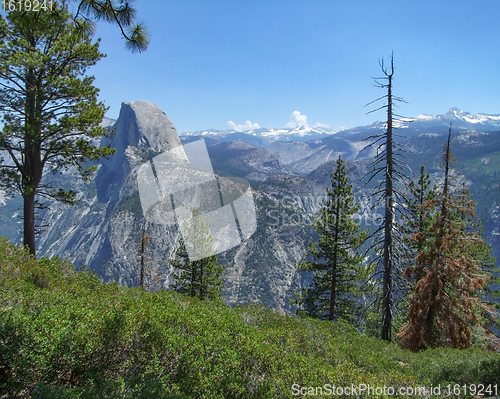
(141,124)
(104,230)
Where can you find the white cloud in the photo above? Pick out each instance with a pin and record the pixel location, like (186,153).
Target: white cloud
(321,125)
(296,119)
(241,128)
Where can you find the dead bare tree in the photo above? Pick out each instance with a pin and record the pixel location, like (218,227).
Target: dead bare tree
(390,248)
(142,254)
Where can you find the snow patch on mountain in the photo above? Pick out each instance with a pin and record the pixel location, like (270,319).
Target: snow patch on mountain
(301,133)
(297,127)
(456,114)
(469,136)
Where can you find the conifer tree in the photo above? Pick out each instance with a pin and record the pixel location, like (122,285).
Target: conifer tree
(418,218)
(200,278)
(451,270)
(49,107)
(122,13)
(415,221)
(336,266)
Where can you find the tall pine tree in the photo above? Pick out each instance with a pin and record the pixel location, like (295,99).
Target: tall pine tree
(416,220)
(451,271)
(337,267)
(49,108)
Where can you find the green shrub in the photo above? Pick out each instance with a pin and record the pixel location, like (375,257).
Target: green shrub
(65,334)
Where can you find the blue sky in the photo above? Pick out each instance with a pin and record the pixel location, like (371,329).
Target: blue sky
(214,61)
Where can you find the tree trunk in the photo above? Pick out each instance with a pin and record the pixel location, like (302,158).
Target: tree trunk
(388,226)
(331,316)
(201,279)
(431,338)
(33,163)
(333,290)
(29,222)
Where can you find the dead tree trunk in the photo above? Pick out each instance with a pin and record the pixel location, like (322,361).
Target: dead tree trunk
(144,241)
(392,168)
(389,220)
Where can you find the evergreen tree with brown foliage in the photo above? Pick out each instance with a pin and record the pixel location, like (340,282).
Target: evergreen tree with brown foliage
(450,270)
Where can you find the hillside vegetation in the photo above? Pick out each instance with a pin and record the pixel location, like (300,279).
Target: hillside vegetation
(65,334)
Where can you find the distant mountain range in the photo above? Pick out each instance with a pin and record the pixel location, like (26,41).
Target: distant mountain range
(301,150)
(288,169)
(263,137)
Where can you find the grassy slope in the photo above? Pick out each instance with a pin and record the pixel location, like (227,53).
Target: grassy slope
(64,334)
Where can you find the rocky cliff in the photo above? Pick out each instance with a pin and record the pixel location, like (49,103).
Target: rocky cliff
(104,230)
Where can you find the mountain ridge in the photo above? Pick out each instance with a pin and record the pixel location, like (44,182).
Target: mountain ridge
(462,120)
(288,178)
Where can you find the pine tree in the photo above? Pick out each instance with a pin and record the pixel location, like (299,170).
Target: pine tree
(49,107)
(121,13)
(417,219)
(451,270)
(200,278)
(337,268)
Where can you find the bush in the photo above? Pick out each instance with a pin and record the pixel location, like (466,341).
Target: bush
(66,334)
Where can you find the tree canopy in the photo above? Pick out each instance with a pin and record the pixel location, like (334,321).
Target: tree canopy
(122,13)
(336,265)
(201,277)
(49,107)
